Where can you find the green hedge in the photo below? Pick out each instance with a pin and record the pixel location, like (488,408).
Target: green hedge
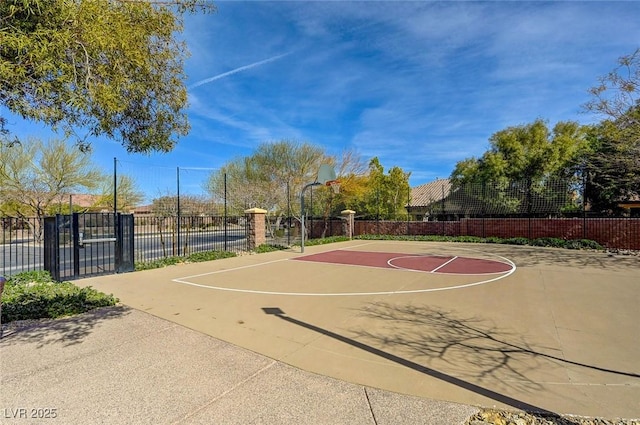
(261,249)
(548,242)
(34,295)
(196,257)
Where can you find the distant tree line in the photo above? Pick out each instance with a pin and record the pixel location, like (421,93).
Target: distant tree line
(600,161)
(273,177)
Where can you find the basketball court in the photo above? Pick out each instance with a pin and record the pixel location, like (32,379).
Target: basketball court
(492,325)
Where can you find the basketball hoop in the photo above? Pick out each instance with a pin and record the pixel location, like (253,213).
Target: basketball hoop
(334,185)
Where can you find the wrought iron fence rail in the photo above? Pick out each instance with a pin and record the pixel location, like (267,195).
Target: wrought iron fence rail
(21,245)
(161,237)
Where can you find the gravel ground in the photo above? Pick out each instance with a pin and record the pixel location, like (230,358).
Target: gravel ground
(503,417)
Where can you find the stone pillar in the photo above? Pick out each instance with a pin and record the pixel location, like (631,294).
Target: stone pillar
(256,233)
(349,219)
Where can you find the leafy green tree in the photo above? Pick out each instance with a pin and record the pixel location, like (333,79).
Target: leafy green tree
(275,174)
(261,180)
(612,167)
(34,175)
(129,195)
(104,67)
(351,174)
(386,195)
(241,182)
(526,158)
(526,152)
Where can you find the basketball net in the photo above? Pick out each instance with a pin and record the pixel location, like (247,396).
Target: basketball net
(334,185)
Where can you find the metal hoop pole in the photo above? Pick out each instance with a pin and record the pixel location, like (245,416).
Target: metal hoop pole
(302,229)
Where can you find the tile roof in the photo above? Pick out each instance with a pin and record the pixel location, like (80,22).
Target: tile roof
(428,193)
(84,200)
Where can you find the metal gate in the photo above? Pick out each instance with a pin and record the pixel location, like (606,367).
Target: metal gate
(88,244)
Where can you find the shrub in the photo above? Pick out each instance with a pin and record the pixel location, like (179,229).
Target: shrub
(198,257)
(515,241)
(261,249)
(553,242)
(34,295)
(583,244)
(549,242)
(157,264)
(322,241)
(24,278)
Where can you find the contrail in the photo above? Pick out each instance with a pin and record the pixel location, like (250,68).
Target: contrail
(235,71)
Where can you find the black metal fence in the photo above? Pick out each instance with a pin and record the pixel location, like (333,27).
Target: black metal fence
(160,237)
(20,245)
(90,247)
(80,245)
(285,231)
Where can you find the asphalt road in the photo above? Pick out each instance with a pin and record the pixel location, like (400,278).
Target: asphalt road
(99,257)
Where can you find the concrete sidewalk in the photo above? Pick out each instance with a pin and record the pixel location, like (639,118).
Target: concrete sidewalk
(123,366)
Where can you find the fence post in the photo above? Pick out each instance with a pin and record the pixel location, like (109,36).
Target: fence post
(584,202)
(484,206)
(178,210)
(75,232)
(349,215)
(51,246)
(125,261)
(443,210)
(226,218)
(256,235)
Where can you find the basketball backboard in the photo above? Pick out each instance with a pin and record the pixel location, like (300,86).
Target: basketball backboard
(326,173)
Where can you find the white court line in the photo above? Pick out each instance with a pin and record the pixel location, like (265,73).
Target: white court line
(356,246)
(343,294)
(442,265)
(232,269)
(183,281)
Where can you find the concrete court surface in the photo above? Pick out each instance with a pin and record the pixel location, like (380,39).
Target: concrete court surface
(559,333)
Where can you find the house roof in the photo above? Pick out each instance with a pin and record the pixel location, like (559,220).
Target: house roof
(630,204)
(428,193)
(142,209)
(84,200)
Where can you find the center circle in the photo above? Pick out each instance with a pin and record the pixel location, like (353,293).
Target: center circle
(449,265)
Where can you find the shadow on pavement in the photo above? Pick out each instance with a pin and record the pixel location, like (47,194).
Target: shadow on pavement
(502,398)
(439,334)
(580,259)
(66,331)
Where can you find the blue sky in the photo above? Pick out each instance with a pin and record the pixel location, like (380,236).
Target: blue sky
(421,85)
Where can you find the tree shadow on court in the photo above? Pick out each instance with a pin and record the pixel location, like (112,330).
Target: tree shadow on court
(453,338)
(467,346)
(525,256)
(411,364)
(66,331)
